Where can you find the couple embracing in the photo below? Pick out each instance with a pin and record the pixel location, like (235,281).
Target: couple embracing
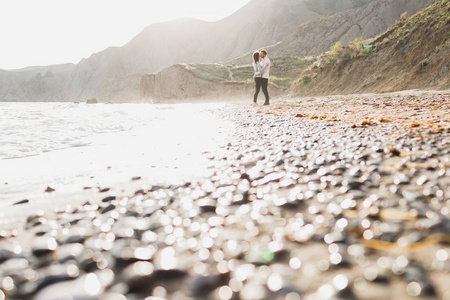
(261,65)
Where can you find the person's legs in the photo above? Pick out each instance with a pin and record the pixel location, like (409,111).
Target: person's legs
(264,84)
(257,88)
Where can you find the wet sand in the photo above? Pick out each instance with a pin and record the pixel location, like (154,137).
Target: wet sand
(309,199)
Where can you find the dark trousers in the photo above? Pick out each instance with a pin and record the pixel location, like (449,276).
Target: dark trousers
(258,83)
(264,83)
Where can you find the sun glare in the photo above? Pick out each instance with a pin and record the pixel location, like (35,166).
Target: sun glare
(61,31)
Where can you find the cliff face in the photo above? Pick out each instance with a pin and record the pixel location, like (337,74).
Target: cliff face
(412,54)
(197,82)
(317,36)
(258,24)
(175,82)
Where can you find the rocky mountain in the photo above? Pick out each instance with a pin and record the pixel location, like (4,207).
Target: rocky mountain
(259,23)
(317,36)
(411,54)
(26,84)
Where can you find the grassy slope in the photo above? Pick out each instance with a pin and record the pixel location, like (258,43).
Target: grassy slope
(412,54)
(284,72)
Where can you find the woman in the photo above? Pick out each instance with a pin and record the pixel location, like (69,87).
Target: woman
(257,76)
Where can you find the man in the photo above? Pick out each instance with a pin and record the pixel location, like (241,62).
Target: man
(265,69)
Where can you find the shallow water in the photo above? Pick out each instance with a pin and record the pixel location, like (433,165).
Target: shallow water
(71,146)
(35,128)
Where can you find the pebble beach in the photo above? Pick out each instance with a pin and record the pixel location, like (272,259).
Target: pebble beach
(339,197)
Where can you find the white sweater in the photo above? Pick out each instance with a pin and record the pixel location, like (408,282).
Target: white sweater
(265,69)
(257,68)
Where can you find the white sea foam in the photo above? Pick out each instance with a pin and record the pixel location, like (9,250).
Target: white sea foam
(69,146)
(34,128)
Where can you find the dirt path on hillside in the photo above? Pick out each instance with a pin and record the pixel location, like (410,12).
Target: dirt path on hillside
(411,109)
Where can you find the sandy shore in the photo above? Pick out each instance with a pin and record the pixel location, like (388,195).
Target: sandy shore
(343,197)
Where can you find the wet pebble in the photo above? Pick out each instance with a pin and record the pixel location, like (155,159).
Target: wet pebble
(22,202)
(318,213)
(43,245)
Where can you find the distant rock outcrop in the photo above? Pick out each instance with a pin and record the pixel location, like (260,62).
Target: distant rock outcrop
(36,84)
(92,101)
(188,82)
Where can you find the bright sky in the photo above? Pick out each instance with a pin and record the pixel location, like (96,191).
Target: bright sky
(46,32)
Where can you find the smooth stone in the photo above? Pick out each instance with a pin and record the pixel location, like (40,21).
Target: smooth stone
(42,229)
(353,185)
(109,199)
(22,202)
(284,291)
(33,222)
(6,254)
(200,286)
(118,296)
(139,277)
(77,234)
(43,245)
(49,189)
(14,266)
(72,239)
(86,287)
(171,274)
(253,292)
(35,216)
(68,252)
(207,209)
(108,208)
(259,256)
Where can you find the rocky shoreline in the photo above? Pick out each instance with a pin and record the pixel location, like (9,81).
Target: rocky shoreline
(307,201)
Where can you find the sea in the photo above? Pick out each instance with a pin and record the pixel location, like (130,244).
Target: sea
(75,147)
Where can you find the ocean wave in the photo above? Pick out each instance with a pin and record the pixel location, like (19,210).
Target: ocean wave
(33,128)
